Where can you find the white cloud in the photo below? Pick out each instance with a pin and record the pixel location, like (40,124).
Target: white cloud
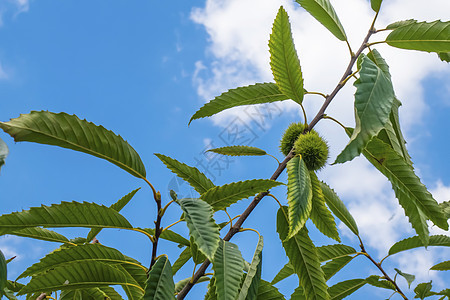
(13,6)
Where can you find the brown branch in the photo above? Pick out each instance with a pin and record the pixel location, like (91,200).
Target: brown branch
(235,229)
(378,265)
(158,228)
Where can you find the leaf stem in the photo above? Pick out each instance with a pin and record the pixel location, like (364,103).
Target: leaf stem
(317,93)
(163,211)
(376,43)
(229,217)
(304,114)
(273,157)
(249,229)
(350,49)
(333,119)
(167,227)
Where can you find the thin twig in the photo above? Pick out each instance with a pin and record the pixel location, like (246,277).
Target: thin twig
(158,229)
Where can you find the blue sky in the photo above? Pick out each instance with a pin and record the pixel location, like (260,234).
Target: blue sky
(143,68)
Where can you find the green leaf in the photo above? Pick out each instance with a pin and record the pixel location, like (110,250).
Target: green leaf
(220,197)
(299,194)
(39,233)
(266,291)
(228,266)
(85,274)
(323,11)
(304,258)
(284,61)
(68,131)
(160,283)
(443,266)
(91,294)
(445,206)
(184,257)
(246,95)
(398,24)
(63,256)
(66,214)
(284,273)
(211,293)
(197,256)
(3,273)
(191,175)
(298,294)
(202,228)
(415,242)
(3,154)
(329,252)
(169,235)
(117,207)
(249,289)
(239,151)
(375,4)
(343,289)
(423,290)
(409,277)
(335,265)
(374,98)
(338,208)
(320,215)
(412,195)
(423,36)
(444,56)
(180,284)
(381,283)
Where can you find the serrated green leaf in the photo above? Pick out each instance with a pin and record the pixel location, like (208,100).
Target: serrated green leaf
(68,131)
(298,294)
(376,4)
(160,285)
(444,56)
(74,276)
(169,235)
(304,258)
(423,290)
(415,242)
(228,266)
(117,207)
(443,266)
(329,252)
(66,214)
(445,206)
(320,215)
(202,228)
(3,154)
(239,151)
(284,273)
(3,273)
(381,283)
(191,175)
(335,265)
(299,194)
(374,98)
(184,257)
(63,256)
(246,95)
(197,256)
(91,294)
(284,61)
(409,277)
(249,289)
(398,24)
(9,294)
(412,195)
(343,289)
(39,233)
(267,291)
(423,36)
(338,208)
(180,284)
(220,197)
(323,11)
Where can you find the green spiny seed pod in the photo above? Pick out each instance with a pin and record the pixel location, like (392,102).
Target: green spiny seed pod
(290,136)
(313,149)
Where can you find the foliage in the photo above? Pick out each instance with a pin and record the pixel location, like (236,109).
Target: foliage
(81,268)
